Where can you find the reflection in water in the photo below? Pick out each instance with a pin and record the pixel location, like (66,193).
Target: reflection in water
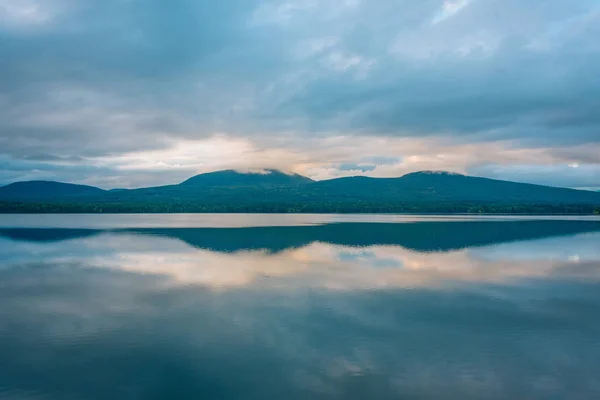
(422,236)
(342,311)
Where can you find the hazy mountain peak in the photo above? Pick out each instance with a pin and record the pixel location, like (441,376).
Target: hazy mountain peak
(258,171)
(247,177)
(434,172)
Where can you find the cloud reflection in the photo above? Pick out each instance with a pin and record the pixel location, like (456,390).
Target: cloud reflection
(318,265)
(160,318)
(345,268)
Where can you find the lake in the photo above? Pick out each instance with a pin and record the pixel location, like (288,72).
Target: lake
(299,307)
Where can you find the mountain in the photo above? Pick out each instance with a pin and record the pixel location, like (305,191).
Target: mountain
(275,191)
(231,178)
(447,186)
(46,190)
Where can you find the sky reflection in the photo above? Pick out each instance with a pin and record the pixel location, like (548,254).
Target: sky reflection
(317,264)
(146,314)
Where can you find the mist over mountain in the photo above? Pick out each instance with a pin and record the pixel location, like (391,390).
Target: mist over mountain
(232,178)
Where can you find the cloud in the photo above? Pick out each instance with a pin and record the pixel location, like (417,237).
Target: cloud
(27,13)
(448,9)
(570,175)
(286,76)
(356,167)
(309,326)
(316,265)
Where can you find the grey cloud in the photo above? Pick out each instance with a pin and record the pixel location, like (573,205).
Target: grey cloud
(12,170)
(356,167)
(52,157)
(508,86)
(105,176)
(103,78)
(110,60)
(368,164)
(574,175)
(378,160)
(481,98)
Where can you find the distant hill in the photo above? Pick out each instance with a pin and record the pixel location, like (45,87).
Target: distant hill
(46,190)
(446,186)
(231,178)
(275,191)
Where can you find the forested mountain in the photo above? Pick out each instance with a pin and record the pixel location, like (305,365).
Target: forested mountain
(46,190)
(275,191)
(445,186)
(231,178)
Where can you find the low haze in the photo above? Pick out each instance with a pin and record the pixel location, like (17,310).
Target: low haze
(131,93)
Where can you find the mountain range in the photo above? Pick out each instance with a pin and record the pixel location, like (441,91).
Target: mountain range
(276,191)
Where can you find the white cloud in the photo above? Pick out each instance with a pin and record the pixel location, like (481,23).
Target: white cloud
(314,47)
(17,15)
(449,8)
(23,12)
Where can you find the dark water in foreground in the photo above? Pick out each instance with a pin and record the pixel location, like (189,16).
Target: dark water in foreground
(420,309)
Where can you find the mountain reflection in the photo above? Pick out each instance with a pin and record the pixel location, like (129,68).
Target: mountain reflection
(502,310)
(419,236)
(335,256)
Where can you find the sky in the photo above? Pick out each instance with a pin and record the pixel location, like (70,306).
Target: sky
(134,93)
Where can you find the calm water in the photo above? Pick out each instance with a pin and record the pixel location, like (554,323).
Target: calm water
(299,307)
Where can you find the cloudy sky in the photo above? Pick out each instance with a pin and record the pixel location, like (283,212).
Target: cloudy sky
(130,93)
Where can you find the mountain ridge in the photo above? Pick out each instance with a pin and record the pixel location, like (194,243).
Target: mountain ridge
(46,189)
(273,190)
(301,178)
(230,177)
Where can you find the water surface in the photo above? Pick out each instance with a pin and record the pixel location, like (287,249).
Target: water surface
(297,307)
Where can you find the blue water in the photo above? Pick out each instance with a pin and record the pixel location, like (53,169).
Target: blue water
(299,307)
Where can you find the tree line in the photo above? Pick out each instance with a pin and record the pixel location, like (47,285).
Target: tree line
(309,207)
